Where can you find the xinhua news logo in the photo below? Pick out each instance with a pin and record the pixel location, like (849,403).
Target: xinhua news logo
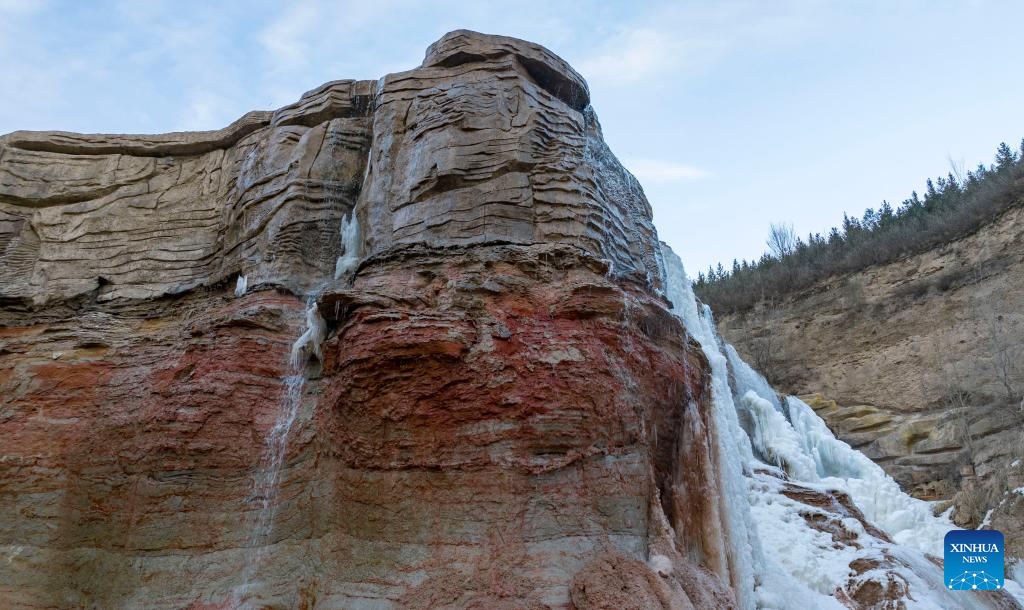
(973,560)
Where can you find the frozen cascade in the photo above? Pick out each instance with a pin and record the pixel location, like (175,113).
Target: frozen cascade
(241,286)
(908,520)
(349,245)
(745,378)
(773,439)
(804,567)
(308,344)
(733,447)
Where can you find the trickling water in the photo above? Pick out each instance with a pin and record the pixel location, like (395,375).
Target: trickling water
(266,482)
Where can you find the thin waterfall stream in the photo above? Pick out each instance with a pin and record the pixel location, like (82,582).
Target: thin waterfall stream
(266,487)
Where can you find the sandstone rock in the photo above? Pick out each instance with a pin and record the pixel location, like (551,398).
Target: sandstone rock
(495,406)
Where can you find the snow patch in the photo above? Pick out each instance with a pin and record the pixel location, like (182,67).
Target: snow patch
(661,564)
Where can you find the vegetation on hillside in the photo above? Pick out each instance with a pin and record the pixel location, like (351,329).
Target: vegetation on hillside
(951,206)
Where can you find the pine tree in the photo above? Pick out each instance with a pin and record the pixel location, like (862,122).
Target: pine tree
(1005,157)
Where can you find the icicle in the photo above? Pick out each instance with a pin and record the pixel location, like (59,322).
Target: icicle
(745,378)
(775,440)
(308,344)
(349,246)
(241,285)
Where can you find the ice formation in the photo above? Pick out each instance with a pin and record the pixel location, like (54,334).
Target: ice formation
(777,560)
(308,344)
(732,446)
(349,246)
(241,285)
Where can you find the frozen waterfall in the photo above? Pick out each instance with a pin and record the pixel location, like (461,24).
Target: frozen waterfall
(776,559)
(349,234)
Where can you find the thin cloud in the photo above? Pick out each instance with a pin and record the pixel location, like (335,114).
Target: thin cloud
(662,171)
(20,7)
(676,40)
(638,54)
(286,40)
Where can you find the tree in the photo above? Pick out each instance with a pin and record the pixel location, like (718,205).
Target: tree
(1005,157)
(952,205)
(1005,352)
(781,239)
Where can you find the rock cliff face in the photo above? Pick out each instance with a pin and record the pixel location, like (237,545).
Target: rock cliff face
(918,364)
(485,413)
(402,344)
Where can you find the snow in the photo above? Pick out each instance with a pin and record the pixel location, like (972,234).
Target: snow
(987,521)
(804,554)
(1014,580)
(660,564)
(757,434)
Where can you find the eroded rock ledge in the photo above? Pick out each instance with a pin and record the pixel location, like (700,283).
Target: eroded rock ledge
(490,140)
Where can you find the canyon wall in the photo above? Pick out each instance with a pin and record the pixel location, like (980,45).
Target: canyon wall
(919,363)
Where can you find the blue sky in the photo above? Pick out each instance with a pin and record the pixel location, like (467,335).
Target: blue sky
(733,114)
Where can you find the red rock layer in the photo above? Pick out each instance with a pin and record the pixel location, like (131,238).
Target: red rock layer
(490,427)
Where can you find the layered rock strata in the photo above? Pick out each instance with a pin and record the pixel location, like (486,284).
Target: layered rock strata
(492,421)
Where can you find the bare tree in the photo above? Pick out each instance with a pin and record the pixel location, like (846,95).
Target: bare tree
(958,169)
(1004,349)
(781,239)
(765,349)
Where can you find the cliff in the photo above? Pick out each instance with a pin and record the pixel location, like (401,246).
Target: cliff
(918,364)
(490,359)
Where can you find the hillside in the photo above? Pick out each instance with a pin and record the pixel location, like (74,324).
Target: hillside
(917,362)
